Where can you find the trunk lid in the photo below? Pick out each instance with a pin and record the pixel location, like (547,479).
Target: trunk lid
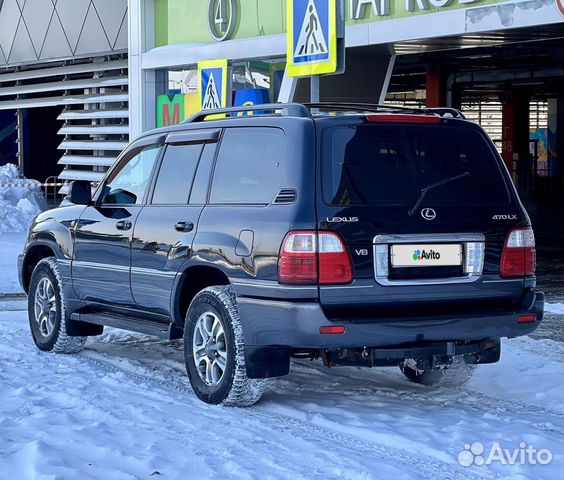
(424,210)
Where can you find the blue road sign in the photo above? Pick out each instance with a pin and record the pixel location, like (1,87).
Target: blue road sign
(312,37)
(213,84)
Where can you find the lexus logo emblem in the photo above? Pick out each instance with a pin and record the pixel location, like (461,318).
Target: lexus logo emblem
(428,214)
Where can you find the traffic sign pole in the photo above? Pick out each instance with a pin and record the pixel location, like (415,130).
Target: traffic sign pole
(315,44)
(314,89)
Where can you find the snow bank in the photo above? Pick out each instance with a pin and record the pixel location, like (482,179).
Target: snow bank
(18,205)
(11,245)
(554,308)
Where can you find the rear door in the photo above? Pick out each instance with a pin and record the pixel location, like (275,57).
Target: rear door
(416,204)
(165,227)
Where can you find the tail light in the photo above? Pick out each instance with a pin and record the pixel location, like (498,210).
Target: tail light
(332,330)
(526,319)
(519,257)
(309,257)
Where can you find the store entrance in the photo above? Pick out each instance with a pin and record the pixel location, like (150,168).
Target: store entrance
(513,88)
(40,142)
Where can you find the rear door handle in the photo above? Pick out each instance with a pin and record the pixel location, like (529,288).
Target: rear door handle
(123,225)
(184,226)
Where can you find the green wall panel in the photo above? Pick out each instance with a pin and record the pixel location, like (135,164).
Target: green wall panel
(186,21)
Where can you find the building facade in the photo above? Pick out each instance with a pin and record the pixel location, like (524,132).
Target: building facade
(501,61)
(63,86)
(79,78)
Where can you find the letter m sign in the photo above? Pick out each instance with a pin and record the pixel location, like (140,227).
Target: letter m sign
(170,110)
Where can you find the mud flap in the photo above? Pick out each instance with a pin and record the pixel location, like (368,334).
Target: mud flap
(266,362)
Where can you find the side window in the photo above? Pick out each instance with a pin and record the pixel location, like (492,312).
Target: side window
(202,179)
(176,174)
(248,166)
(127,185)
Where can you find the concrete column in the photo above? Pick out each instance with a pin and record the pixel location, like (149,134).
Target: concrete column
(142,84)
(436,86)
(556,134)
(515,133)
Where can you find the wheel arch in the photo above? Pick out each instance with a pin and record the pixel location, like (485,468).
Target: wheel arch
(33,255)
(189,282)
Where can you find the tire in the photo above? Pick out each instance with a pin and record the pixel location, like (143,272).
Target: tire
(218,376)
(456,374)
(47,312)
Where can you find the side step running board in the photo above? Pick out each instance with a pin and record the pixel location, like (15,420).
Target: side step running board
(148,327)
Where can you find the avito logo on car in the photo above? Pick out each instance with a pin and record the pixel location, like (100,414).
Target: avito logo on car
(426,255)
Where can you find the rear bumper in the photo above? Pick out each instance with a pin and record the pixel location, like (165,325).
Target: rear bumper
(297,324)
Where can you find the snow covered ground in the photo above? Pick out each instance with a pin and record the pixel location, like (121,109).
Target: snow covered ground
(11,245)
(123,409)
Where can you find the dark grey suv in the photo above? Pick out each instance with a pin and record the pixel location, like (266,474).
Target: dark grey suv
(357,234)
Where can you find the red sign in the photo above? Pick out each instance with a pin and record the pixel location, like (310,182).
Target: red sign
(560,4)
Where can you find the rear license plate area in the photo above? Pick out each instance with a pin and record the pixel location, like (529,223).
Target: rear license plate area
(425,261)
(429,273)
(425,256)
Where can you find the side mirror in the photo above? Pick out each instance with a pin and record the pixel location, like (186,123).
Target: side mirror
(80,192)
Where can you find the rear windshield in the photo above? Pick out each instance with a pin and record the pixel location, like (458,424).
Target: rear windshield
(390,164)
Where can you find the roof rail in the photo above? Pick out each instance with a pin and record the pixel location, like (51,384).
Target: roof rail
(363,107)
(303,110)
(446,111)
(284,109)
(371,107)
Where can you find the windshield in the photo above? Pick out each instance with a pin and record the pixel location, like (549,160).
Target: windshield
(390,165)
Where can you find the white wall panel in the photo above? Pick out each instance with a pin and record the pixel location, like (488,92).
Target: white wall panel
(37,16)
(56,43)
(33,31)
(92,35)
(111,15)
(72,14)
(22,48)
(10,17)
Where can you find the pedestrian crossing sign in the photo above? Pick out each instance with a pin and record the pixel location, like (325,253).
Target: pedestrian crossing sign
(213,84)
(312,37)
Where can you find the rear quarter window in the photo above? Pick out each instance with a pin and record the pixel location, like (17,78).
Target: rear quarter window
(248,166)
(390,164)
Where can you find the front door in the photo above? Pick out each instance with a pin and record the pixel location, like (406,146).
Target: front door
(102,249)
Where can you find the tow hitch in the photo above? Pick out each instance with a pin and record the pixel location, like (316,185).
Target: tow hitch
(434,355)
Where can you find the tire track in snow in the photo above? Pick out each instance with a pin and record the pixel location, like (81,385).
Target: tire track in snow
(327,439)
(154,366)
(464,397)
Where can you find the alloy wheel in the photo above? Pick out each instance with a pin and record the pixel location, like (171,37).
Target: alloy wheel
(209,348)
(45,306)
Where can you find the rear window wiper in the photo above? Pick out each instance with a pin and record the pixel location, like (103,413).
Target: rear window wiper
(435,185)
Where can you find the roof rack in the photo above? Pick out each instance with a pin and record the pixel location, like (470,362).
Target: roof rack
(303,110)
(361,107)
(283,109)
(371,107)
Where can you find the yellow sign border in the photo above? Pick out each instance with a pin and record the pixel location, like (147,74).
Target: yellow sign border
(329,66)
(224,65)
